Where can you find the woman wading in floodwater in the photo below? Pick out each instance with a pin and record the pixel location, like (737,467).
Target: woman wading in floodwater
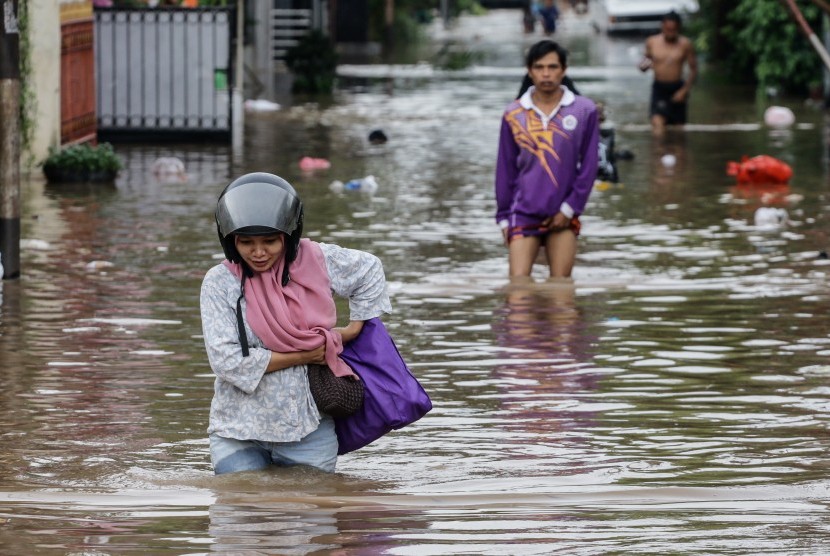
(267,313)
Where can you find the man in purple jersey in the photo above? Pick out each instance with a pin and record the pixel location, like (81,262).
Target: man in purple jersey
(547,163)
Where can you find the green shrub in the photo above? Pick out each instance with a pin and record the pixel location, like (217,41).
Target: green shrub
(313,62)
(83,157)
(455,57)
(759,41)
(82,164)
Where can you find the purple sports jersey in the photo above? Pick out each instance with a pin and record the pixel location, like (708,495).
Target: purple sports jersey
(543,165)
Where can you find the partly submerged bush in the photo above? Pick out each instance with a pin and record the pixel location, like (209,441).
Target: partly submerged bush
(83,162)
(453,57)
(84,157)
(313,62)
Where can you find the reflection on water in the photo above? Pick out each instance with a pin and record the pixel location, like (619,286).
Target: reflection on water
(541,321)
(674,400)
(576,519)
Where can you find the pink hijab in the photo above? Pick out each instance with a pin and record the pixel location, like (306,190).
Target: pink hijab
(300,316)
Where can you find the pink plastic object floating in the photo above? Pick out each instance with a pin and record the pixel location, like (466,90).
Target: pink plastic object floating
(779,116)
(308,163)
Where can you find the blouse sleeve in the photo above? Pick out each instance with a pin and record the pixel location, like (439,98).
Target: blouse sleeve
(217,303)
(357,275)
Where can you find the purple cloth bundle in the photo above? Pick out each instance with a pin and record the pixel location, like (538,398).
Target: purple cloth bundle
(393,397)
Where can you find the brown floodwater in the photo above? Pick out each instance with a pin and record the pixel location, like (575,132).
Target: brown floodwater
(676,401)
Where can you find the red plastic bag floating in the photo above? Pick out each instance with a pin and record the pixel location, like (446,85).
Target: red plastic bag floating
(760,169)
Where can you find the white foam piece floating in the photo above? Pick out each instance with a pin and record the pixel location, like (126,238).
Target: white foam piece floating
(779,116)
(66,363)
(698,370)
(123,499)
(261,105)
(98,265)
(653,363)
(37,244)
(81,329)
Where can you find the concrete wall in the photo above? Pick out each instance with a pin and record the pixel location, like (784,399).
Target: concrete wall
(45,37)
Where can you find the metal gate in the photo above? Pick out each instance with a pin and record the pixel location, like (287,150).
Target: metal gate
(163,72)
(291,20)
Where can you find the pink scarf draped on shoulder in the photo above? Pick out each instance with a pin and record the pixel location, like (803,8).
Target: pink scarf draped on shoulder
(300,316)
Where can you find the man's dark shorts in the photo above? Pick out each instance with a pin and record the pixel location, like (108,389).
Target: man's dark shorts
(662,105)
(539,230)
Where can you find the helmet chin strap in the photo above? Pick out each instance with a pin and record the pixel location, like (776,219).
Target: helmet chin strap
(240,324)
(290,254)
(246,270)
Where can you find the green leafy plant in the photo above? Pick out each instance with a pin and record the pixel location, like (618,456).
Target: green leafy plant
(758,40)
(313,62)
(453,57)
(82,162)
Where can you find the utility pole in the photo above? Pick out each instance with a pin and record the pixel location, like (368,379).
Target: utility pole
(818,46)
(10,140)
(825,18)
(238,122)
(389,23)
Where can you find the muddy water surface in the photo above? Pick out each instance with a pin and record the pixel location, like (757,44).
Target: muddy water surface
(676,401)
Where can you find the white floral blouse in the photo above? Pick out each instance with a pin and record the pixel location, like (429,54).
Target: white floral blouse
(248,403)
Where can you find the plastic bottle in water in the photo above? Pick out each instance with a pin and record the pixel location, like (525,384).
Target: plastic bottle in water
(368,184)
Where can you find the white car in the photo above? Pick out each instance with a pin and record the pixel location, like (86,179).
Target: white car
(636,16)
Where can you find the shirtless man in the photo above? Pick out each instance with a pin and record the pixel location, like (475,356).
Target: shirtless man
(666,53)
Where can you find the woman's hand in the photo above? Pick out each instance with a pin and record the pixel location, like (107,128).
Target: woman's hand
(316,356)
(350,331)
(280,361)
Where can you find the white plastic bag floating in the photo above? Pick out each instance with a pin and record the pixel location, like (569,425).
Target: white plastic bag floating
(770,217)
(668,160)
(169,169)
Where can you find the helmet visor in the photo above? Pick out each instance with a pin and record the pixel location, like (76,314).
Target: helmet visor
(259,205)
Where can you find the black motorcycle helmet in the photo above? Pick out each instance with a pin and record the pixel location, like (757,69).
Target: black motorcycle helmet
(257,204)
